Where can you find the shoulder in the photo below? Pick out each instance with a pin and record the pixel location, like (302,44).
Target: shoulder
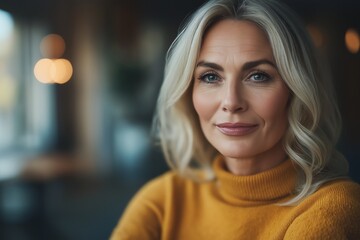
(143,217)
(342,188)
(157,191)
(165,183)
(339,196)
(332,212)
(153,192)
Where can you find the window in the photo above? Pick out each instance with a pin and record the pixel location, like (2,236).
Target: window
(26,105)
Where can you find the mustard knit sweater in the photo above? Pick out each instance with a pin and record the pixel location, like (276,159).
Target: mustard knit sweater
(240,207)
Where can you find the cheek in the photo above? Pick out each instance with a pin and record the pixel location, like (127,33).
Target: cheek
(274,107)
(204,104)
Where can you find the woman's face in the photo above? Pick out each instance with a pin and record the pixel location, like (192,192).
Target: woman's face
(239,96)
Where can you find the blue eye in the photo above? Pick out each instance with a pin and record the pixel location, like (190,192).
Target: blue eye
(209,78)
(259,77)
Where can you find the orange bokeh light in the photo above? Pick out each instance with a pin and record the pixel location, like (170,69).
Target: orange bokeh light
(352,40)
(52,46)
(61,71)
(42,70)
(53,70)
(316,35)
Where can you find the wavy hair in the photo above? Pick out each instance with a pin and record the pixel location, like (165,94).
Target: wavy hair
(314,119)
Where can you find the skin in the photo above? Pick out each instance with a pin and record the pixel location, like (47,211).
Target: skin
(236,82)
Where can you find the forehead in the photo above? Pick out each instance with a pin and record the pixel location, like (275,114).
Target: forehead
(236,36)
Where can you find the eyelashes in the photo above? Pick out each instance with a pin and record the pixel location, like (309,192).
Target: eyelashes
(256,76)
(260,76)
(209,77)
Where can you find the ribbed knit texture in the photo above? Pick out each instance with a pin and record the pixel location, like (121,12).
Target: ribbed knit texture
(240,207)
(270,185)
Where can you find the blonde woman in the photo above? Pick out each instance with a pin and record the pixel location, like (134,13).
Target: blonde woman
(248,124)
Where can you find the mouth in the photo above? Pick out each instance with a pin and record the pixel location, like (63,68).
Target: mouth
(236,129)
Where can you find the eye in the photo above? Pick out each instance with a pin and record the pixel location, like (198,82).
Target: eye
(209,78)
(259,77)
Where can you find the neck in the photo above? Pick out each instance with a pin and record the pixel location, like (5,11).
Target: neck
(252,165)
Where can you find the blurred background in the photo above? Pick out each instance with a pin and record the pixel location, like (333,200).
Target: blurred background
(78,86)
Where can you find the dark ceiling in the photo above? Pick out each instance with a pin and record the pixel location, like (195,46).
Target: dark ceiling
(166,8)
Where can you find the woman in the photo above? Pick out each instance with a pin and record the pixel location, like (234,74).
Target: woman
(249,126)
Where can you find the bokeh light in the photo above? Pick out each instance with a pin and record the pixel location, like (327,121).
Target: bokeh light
(52,46)
(316,35)
(42,70)
(61,71)
(53,70)
(352,40)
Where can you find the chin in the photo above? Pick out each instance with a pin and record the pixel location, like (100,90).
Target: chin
(237,153)
(238,156)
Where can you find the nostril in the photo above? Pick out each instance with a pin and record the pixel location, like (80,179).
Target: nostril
(233,108)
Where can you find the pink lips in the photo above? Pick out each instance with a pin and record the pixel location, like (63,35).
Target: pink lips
(236,129)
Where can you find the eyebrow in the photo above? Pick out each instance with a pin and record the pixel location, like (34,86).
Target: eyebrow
(246,66)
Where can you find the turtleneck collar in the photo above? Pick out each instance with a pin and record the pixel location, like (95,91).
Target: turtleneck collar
(268,186)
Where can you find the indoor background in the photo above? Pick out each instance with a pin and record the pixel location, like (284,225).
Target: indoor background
(78,86)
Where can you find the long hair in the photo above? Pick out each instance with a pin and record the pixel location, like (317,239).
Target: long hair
(313,116)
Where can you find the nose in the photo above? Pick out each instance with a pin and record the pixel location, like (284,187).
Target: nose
(234,99)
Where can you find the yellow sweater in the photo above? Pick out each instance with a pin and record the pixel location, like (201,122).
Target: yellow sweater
(240,207)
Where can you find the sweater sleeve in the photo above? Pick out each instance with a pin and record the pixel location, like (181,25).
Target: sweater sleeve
(331,217)
(143,216)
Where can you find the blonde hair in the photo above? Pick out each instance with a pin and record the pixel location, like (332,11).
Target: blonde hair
(314,119)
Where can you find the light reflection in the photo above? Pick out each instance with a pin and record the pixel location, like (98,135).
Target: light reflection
(352,40)
(131,144)
(6,34)
(52,46)
(7,25)
(53,70)
(7,92)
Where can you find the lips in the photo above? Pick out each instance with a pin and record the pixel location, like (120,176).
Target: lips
(236,129)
